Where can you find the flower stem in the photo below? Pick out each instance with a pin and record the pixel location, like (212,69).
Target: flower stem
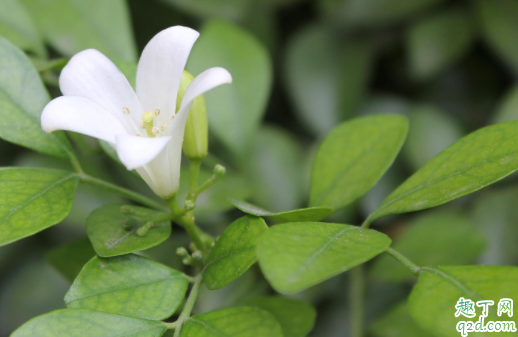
(356,300)
(404,260)
(84,178)
(186,220)
(218,172)
(189,304)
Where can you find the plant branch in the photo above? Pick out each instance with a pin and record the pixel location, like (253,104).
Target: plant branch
(356,300)
(404,260)
(218,172)
(189,304)
(84,178)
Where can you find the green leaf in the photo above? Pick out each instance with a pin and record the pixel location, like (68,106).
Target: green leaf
(353,157)
(295,317)
(128,285)
(247,60)
(439,289)
(318,58)
(17,26)
(22,99)
(33,200)
(113,233)
(297,215)
(225,9)
(85,323)
(398,323)
(234,252)
(69,259)
(298,255)
(430,132)
(507,109)
(432,239)
(431,46)
(274,169)
(71,26)
(496,215)
(499,28)
(368,13)
(473,162)
(233,322)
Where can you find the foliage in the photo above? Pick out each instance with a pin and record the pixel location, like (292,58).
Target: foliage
(343,115)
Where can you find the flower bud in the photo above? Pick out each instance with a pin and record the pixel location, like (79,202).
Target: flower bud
(195,139)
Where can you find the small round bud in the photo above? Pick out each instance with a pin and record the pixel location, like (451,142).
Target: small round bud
(197,256)
(189,205)
(220,170)
(181,251)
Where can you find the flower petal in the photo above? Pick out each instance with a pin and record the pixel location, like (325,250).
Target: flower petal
(81,115)
(92,75)
(135,152)
(160,69)
(166,169)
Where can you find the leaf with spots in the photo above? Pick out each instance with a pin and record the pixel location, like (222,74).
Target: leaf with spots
(113,233)
(233,322)
(86,323)
(128,285)
(433,299)
(32,200)
(296,256)
(234,252)
(473,162)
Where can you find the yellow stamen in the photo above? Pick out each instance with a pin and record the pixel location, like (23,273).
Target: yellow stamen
(126,111)
(147,118)
(157,112)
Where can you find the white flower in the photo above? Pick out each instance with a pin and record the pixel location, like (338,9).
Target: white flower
(144,127)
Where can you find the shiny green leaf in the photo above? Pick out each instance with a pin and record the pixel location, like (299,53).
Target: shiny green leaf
(439,288)
(431,46)
(22,99)
(296,256)
(233,322)
(436,238)
(325,77)
(353,157)
(85,323)
(297,215)
(296,317)
(71,26)
(473,162)
(113,233)
(33,200)
(247,60)
(128,285)
(234,252)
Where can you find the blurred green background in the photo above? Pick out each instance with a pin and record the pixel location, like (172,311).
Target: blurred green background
(300,67)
